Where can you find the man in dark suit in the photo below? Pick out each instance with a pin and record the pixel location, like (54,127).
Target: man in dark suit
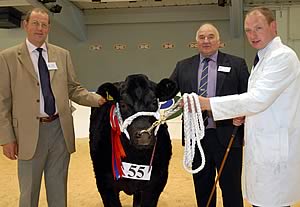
(227,75)
(37,80)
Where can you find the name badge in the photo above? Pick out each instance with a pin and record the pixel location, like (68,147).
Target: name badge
(136,172)
(52,66)
(224,69)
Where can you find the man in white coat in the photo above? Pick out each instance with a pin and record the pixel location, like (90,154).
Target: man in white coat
(272,109)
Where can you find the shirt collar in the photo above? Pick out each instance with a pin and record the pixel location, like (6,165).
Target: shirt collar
(32,48)
(212,57)
(261,53)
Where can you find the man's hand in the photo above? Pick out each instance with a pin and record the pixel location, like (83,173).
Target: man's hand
(204,103)
(10,150)
(238,121)
(101,101)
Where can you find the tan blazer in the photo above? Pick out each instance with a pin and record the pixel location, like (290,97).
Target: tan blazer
(20,92)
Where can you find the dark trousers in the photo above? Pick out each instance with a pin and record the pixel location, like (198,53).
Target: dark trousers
(230,180)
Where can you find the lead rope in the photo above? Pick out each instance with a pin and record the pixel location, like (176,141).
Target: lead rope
(193,131)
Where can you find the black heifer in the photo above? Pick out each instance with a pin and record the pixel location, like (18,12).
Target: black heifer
(135,94)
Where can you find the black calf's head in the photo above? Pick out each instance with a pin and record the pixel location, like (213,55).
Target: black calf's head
(138,94)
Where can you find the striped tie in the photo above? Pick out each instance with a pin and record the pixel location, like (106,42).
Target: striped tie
(202,90)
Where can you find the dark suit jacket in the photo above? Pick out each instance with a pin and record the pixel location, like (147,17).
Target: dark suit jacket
(234,82)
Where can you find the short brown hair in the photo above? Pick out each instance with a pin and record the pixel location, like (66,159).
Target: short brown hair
(266,12)
(38,10)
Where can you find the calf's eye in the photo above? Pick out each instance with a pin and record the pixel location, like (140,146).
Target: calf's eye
(154,102)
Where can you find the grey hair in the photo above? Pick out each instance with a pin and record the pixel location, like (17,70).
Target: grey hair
(211,26)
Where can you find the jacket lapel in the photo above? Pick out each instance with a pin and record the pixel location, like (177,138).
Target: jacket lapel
(51,58)
(195,68)
(24,58)
(221,60)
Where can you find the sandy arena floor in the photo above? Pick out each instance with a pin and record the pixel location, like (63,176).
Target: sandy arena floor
(82,191)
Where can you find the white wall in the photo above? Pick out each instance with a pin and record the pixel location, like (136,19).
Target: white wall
(287,20)
(293,28)
(82,120)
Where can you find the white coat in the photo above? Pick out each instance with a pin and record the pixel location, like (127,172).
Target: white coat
(271,176)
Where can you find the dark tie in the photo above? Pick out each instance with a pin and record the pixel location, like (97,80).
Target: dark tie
(202,90)
(49,101)
(256,59)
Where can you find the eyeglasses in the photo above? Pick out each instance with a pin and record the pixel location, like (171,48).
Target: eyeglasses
(37,24)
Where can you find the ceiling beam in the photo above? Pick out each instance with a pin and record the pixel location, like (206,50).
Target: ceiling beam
(4,3)
(236,18)
(159,14)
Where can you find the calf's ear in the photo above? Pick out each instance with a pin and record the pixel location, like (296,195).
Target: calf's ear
(109,91)
(166,89)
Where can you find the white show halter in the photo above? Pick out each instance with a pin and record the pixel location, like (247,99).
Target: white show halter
(124,124)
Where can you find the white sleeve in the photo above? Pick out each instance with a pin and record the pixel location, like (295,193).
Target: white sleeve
(276,74)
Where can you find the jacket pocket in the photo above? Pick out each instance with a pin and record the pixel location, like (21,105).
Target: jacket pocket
(15,123)
(270,147)
(284,144)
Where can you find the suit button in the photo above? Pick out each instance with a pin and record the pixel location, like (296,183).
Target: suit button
(38,100)
(38,118)
(38,84)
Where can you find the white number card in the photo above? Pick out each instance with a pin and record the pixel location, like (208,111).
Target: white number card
(136,172)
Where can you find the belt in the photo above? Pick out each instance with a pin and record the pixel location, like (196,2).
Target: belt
(49,119)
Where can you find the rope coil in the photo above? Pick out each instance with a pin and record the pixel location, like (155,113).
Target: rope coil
(193,132)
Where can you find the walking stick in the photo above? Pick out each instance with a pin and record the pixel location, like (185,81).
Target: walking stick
(222,164)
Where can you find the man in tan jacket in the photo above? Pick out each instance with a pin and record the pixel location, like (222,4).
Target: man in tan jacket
(41,141)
